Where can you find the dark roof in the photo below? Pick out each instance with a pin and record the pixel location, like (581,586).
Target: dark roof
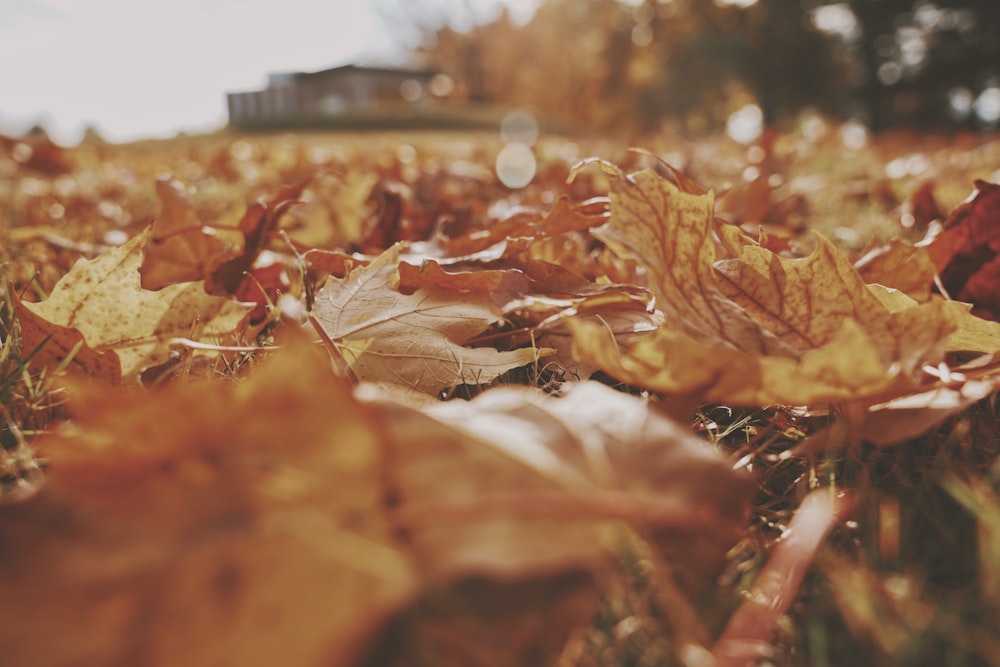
(409,71)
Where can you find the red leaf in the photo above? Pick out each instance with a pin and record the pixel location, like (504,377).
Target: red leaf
(966,252)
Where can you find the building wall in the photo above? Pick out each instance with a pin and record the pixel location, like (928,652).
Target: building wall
(332,93)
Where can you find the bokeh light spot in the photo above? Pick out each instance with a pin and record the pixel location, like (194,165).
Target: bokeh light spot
(515,165)
(520,127)
(746,124)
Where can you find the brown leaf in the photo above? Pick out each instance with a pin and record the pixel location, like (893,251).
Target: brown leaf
(283,520)
(415,340)
(670,233)
(754,328)
(180,248)
(123,328)
(967,252)
(249,531)
(562,218)
(333,211)
(509,282)
(532,474)
(261,220)
(900,266)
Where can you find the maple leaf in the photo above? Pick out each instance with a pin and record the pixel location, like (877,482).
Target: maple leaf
(670,233)
(414,340)
(179,248)
(900,266)
(750,326)
(116,328)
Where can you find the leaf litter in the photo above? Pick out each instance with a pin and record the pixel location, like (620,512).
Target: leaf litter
(315,505)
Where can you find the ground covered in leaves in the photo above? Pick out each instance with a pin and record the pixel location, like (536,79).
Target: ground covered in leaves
(342,399)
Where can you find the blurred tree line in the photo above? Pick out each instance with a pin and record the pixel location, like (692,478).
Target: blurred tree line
(634,64)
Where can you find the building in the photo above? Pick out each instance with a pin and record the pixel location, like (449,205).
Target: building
(350,95)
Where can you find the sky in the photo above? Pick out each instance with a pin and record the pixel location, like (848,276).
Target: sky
(134,69)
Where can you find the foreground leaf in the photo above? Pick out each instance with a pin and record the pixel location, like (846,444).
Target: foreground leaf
(411,339)
(247,532)
(533,467)
(282,520)
(118,328)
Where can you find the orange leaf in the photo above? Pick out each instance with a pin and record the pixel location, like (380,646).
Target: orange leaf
(180,248)
(249,530)
(261,220)
(430,274)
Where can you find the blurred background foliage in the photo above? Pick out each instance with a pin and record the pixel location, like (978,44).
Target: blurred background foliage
(635,65)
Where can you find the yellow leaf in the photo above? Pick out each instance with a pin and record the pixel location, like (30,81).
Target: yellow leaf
(415,340)
(179,248)
(901,266)
(123,328)
(671,234)
(751,326)
(805,302)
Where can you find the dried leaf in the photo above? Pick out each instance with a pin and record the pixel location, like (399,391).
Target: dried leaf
(180,248)
(414,340)
(562,218)
(805,302)
(670,233)
(536,479)
(900,266)
(967,252)
(508,282)
(123,328)
(260,220)
(247,532)
(753,327)
(334,210)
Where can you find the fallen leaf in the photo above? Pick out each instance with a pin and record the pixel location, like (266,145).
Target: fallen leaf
(260,220)
(967,251)
(411,339)
(900,266)
(509,282)
(249,531)
(752,327)
(670,233)
(805,302)
(561,218)
(281,509)
(121,329)
(333,211)
(179,248)
(536,479)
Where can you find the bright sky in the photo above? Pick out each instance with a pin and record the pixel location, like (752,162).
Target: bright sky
(136,69)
